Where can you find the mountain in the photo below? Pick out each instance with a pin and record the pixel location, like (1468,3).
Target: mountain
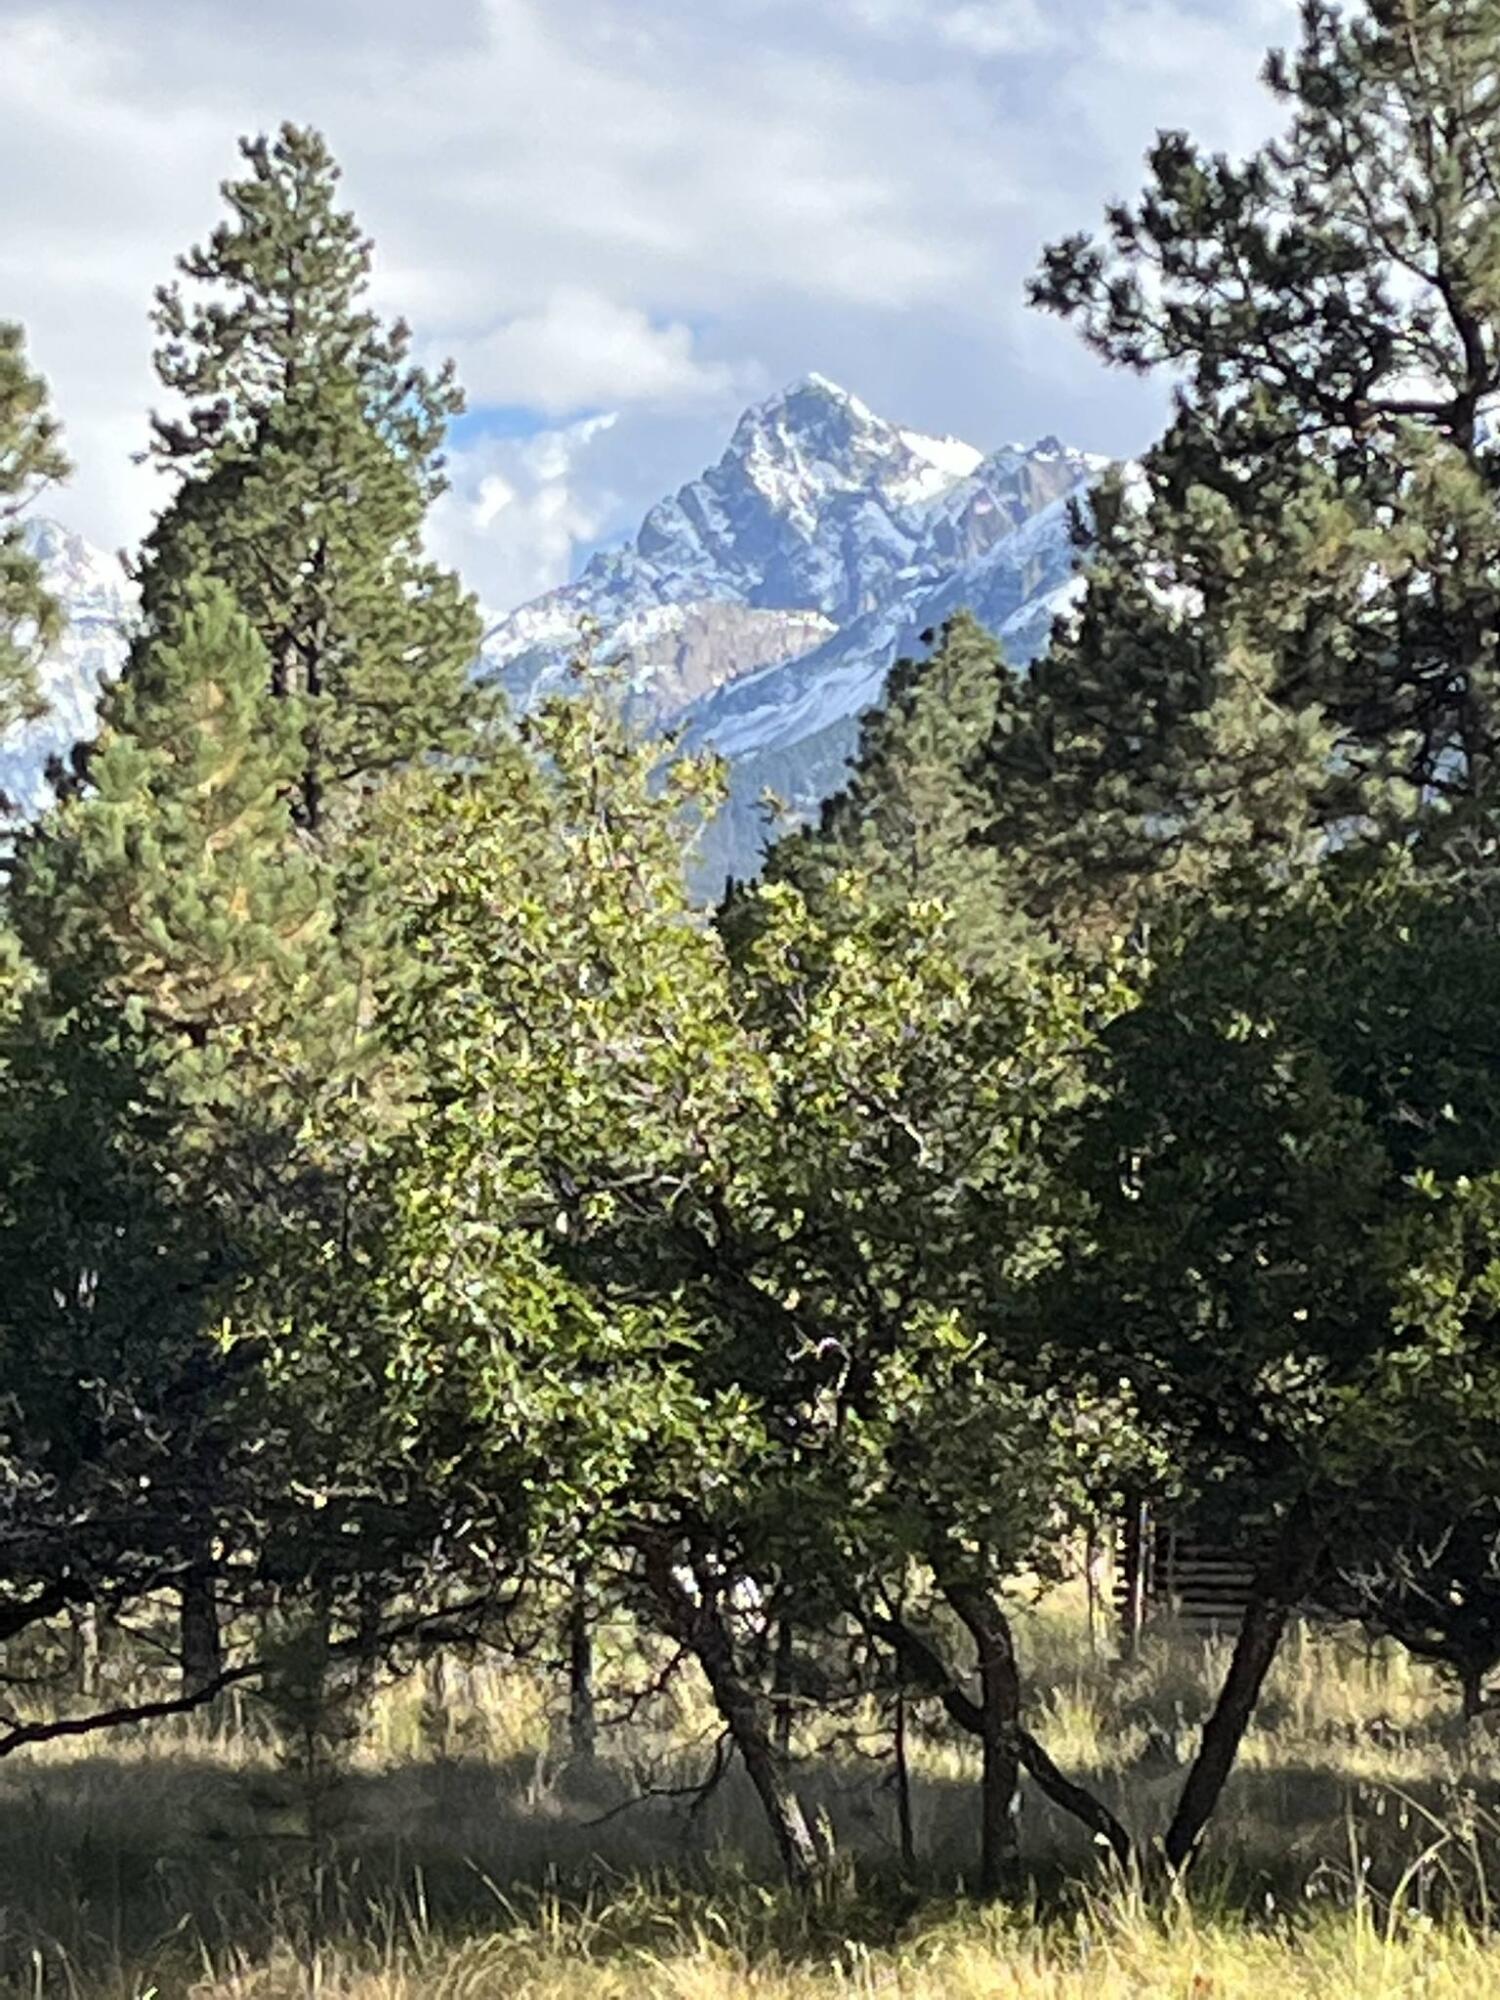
(99,599)
(758,610)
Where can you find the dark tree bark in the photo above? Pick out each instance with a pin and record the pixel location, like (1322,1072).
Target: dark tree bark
(781,1687)
(202,1644)
(918,1659)
(999,1735)
(905,1830)
(696,1622)
(583,1730)
(1075,1799)
(1279,1588)
(370,1619)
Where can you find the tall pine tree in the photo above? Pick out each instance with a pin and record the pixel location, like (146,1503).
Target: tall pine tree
(180,1006)
(906,820)
(174,888)
(1289,630)
(31,457)
(308,447)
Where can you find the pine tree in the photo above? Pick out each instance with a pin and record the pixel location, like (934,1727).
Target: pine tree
(1290,625)
(31,457)
(308,452)
(174,888)
(177,1003)
(906,820)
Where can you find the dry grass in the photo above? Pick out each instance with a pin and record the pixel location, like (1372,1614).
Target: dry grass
(464,1861)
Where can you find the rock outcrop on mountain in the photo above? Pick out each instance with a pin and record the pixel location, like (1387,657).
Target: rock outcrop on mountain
(760,608)
(757,611)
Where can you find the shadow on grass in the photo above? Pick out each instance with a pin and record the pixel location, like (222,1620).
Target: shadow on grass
(122,1874)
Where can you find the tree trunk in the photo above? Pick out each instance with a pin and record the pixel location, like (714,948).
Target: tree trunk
(919,1659)
(86,1640)
(583,1734)
(904,1827)
(1075,1800)
(1471,1685)
(438,1711)
(781,1689)
(202,1644)
(371,1619)
(1000,1736)
(696,1622)
(1279,1588)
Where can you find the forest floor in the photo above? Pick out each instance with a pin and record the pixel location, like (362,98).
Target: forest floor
(455,1855)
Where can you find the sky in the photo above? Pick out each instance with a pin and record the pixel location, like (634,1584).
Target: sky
(625,219)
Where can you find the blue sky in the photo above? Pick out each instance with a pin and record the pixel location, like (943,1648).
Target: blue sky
(624,218)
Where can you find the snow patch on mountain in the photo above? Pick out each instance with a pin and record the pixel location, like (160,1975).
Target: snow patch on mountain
(757,610)
(818,510)
(100,603)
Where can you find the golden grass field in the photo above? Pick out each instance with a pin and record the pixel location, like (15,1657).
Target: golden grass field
(456,1857)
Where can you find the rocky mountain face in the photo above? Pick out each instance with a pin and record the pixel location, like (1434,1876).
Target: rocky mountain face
(758,610)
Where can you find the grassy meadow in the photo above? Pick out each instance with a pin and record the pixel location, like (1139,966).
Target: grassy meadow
(454,1854)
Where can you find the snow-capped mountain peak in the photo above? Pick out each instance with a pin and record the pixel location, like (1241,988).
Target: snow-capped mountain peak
(815,440)
(761,606)
(758,608)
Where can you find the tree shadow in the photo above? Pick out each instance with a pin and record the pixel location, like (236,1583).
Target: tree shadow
(129,1869)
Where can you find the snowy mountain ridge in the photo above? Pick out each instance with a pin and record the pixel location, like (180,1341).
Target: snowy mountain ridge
(757,610)
(760,608)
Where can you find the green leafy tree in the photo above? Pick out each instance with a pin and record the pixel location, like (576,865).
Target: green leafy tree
(900,1201)
(585,1075)
(1287,634)
(307,449)
(31,458)
(1293,1162)
(719,1273)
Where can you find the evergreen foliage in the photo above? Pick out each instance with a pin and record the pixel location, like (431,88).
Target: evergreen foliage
(1288,628)
(907,818)
(31,458)
(174,888)
(173,975)
(307,451)
(406,1190)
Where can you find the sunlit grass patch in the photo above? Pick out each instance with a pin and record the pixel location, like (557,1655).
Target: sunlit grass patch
(468,1858)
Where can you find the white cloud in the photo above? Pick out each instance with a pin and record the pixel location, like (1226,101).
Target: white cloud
(983,28)
(1154,63)
(999,27)
(649,206)
(581,349)
(518,508)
